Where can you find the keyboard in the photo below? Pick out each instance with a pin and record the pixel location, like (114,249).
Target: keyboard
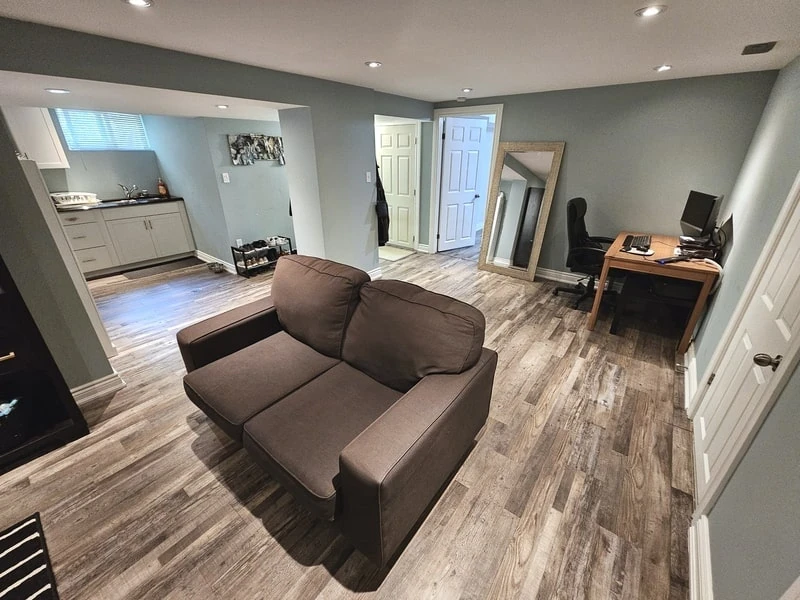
(636,241)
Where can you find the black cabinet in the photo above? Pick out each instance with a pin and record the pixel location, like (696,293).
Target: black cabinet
(37,411)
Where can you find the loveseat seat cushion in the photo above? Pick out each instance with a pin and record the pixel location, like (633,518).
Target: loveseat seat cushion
(401,332)
(315,299)
(299,439)
(236,387)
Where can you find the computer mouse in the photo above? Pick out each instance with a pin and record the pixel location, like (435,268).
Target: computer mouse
(642,248)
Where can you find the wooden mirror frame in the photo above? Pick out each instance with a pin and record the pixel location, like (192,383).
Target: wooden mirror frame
(557,148)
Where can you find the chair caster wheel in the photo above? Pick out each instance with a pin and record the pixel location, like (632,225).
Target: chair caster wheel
(555,292)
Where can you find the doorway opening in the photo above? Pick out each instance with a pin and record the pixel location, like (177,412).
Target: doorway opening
(398,155)
(465,143)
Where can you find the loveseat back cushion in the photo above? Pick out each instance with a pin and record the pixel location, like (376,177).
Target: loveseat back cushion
(401,332)
(315,298)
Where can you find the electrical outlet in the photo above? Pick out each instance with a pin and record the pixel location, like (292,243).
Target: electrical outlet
(369,176)
(239,242)
(226,178)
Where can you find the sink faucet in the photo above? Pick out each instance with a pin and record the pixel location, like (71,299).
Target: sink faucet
(132,191)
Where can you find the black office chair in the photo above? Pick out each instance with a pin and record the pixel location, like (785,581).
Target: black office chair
(586,253)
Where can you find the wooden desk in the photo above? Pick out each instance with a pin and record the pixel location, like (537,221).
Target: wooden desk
(662,246)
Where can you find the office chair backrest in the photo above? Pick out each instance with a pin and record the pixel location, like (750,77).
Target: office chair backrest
(577,235)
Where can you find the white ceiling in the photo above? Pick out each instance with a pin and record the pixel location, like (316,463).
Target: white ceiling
(432,48)
(538,162)
(24,89)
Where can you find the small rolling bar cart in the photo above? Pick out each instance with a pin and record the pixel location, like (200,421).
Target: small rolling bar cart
(260,255)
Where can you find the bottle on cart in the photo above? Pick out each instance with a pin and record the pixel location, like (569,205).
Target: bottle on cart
(163,190)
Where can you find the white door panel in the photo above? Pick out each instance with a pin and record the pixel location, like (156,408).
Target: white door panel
(396,155)
(462,150)
(738,398)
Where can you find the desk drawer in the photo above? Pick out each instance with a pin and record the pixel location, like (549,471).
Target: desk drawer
(94,259)
(78,217)
(86,235)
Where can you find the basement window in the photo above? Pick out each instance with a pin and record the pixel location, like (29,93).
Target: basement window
(88,130)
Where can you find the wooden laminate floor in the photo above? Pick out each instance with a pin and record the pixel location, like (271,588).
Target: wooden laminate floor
(580,487)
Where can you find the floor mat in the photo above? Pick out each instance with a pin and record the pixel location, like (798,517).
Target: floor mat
(25,570)
(392,254)
(165,268)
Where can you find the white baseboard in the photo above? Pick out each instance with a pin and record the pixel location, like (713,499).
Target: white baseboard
(690,378)
(558,276)
(700,582)
(99,388)
(424,248)
(501,262)
(375,273)
(793,593)
(207,258)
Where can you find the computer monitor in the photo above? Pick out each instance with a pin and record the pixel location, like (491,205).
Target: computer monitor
(700,214)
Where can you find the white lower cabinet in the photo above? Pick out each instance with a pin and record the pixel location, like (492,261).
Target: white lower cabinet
(132,240)
(169,235)
(105,238)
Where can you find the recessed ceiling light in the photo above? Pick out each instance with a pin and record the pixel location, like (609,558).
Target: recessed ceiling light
(56,90)
(662,68)
(373,64)
(650,11)
(466,90)
(139,3)
(222,106)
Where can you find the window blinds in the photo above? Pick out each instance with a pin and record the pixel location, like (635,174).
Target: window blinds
(90,130)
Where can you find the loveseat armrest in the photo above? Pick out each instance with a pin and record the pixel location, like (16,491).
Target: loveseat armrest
(390,473)
(227,332)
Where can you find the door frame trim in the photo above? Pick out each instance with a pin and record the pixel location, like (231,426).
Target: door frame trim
(436,171)
(752,423)
(418,162)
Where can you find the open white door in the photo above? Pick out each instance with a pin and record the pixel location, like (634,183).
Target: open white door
(755,362)
(461,157)
(395,149)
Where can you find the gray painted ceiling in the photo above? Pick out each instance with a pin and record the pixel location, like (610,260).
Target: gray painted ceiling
(432,48)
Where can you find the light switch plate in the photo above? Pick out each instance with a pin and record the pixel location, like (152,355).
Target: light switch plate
(226,178)
(369,176)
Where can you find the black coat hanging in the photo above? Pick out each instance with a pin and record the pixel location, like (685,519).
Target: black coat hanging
(382,209)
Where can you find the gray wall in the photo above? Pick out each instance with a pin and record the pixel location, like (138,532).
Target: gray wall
(32,257)
(755,525)
(101,171)
(256,201)
(184,159)
(342,123)
(769,170)
(634,151)
(426,164)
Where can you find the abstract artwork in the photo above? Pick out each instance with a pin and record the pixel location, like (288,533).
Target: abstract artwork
(247,148)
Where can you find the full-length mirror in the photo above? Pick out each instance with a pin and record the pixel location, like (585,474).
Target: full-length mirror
(523,184)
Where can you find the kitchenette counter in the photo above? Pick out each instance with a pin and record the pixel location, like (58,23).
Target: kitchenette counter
(116,203)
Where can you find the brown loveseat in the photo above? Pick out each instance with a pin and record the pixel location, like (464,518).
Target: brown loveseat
(360,397)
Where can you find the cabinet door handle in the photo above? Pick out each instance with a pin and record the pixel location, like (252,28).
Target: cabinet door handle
(88,260)
(145,224)
(151,224)
(72,218)
(9,356)
(79,237)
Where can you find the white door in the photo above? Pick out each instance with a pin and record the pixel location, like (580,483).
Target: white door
(461,157)
(168,234)
(738,399)
(395,151)
(132,239)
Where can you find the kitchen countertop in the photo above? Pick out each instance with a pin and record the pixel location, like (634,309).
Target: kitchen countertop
(116,203)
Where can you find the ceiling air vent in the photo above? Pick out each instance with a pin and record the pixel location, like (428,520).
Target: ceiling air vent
(761,48)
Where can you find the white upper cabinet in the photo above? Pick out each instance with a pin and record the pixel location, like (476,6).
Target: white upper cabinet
(35,136)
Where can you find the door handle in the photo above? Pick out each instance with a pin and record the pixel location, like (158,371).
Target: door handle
(9,356)
(765,360)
